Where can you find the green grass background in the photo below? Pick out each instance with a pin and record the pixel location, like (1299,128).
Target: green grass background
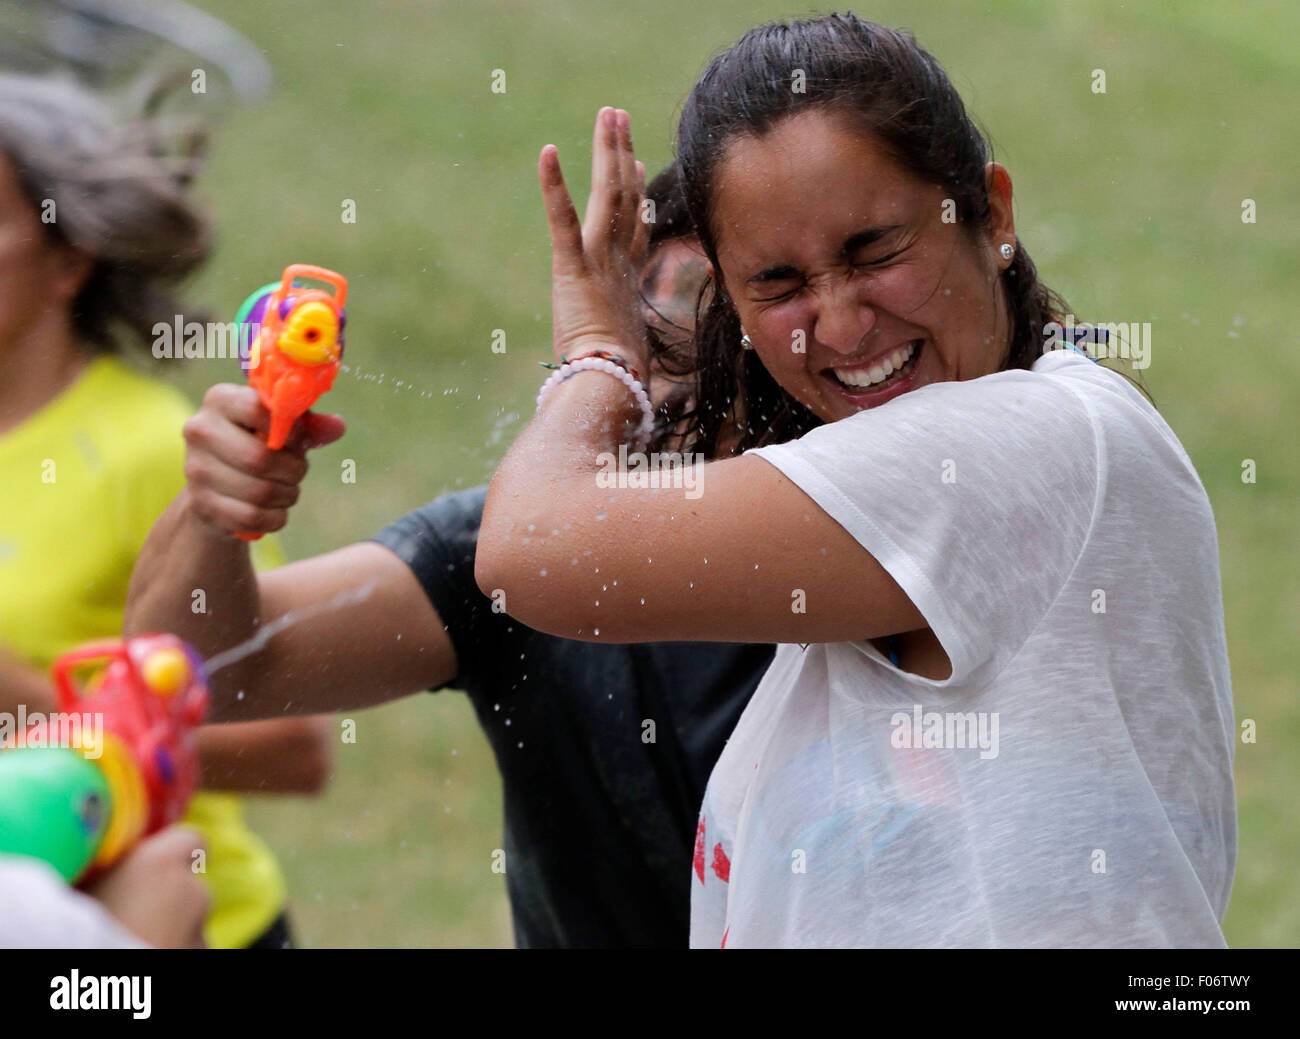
(1130,203)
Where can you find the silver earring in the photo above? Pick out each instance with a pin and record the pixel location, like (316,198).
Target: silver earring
(745,342)
(1007,250)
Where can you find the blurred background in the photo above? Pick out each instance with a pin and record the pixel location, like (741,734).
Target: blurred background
(1130,203)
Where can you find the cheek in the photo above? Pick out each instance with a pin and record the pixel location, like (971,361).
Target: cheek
(22,259)
(782,338)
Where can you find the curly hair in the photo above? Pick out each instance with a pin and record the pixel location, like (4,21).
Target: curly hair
(118,196)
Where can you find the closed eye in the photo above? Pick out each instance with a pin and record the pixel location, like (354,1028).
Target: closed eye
(880,260)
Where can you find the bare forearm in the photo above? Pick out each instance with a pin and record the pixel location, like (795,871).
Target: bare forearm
(583,417)
(276,756)
(194,583)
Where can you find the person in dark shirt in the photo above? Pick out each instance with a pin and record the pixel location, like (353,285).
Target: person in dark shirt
(604,750)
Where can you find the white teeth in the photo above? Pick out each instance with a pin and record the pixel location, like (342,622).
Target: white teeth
(878,372)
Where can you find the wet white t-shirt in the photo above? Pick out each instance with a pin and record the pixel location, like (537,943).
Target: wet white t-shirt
(1071,783)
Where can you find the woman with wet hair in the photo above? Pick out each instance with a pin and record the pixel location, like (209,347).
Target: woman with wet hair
(96,231)
(1000,712)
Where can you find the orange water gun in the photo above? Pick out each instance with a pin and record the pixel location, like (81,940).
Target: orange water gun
(296,345)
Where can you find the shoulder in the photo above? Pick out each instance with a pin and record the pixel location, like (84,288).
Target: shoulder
(126,388)
(448,524)
(438,541)
(136,418)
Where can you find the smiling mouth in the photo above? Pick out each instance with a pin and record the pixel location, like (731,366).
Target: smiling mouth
(894,367)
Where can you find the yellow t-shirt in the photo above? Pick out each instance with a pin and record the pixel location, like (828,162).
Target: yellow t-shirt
(83,481)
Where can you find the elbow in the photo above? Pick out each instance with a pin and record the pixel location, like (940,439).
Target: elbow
(487,566)
(506,580)
(528,577)
(495,567)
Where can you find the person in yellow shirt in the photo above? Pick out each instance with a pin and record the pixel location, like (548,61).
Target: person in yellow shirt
(95,228)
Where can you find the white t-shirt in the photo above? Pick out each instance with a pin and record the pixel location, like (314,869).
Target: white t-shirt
(1071,783)
(39,911)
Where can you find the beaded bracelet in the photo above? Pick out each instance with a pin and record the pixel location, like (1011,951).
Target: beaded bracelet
(604,355)
(615,367)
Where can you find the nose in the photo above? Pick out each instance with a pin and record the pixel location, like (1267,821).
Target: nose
(842,318)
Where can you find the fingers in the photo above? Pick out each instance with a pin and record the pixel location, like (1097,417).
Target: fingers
(641,237)
(234,515)
(312,431)
(606,185)
(613,209)
(561,217)
(239,404)
(235,483)
(221,429)
(206,472)
(629,198)
(154,891)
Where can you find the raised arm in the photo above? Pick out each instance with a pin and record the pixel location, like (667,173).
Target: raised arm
(348,629)
(582,561)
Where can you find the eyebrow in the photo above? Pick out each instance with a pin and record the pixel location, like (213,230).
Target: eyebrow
(856,241)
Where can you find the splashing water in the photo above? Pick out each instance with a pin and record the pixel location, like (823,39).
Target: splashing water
(266,632)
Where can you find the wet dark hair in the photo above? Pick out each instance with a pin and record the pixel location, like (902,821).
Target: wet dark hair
(671,219)
(887,85)
(671,222)
(120,192)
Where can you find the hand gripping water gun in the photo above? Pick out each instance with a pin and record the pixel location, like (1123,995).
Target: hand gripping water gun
(296,344)
(118,762)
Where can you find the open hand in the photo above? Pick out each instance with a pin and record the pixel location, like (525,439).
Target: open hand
(596,264)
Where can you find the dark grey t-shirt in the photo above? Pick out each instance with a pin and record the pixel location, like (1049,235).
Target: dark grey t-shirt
(599,822)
